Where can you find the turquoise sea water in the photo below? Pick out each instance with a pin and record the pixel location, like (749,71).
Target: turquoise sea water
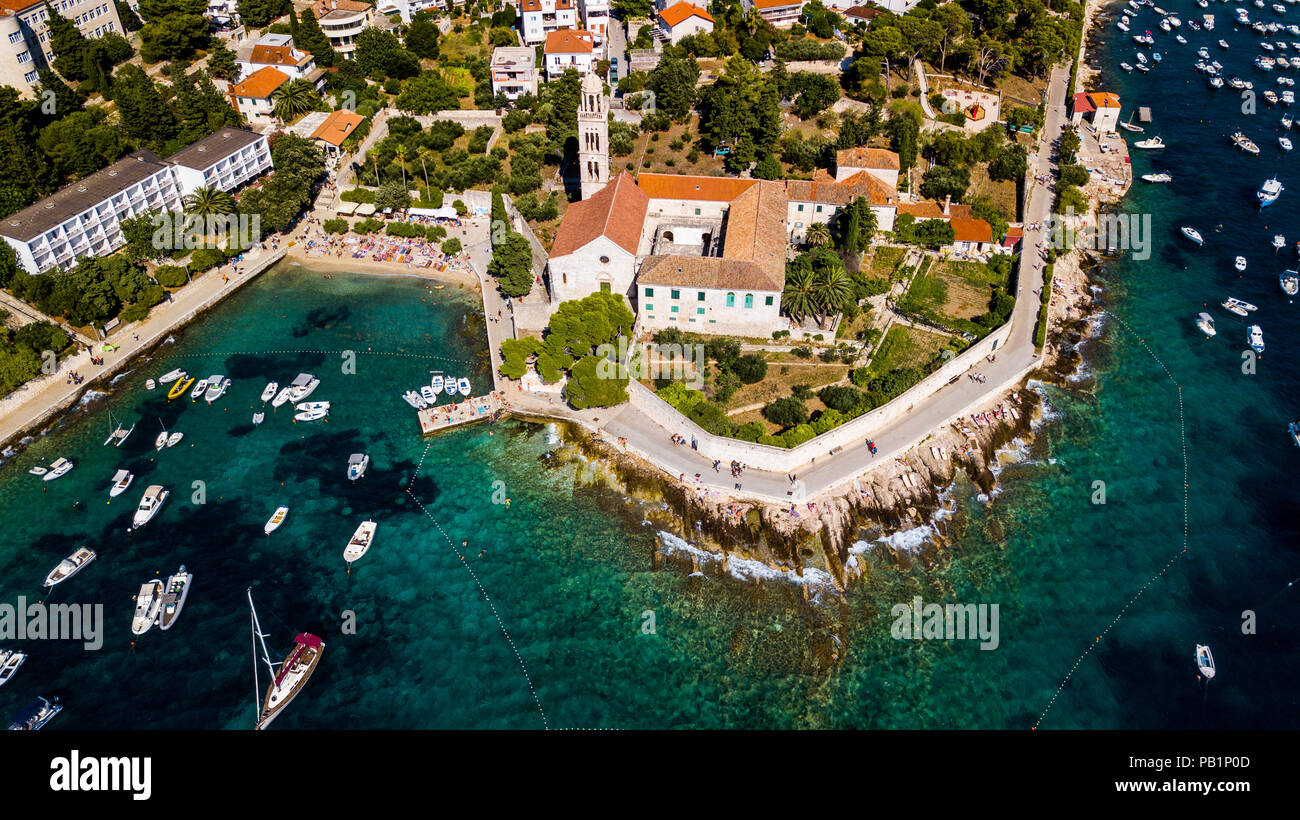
(474,614)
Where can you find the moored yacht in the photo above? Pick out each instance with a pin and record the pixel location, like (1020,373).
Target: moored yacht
(175,591)
(435,383)
(1244,143)
(147,603)
(271,389)
(1204,661)
(293,674)
(1255,338)
(200,387)
(1238,307)
(358,463)
(70,566)
(429,395)
(10,660)
(1206,323)
(121,480)
(58,468)
(150,503)
(35,714)
(1269,192)
(217,387)
(302,387)
(1150,144)
(1289,281)
(1192,234)
(1285,142)
(462,384)
(1156,177)
(171,376)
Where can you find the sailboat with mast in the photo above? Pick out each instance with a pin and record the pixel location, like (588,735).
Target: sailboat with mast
(291,677)
(119,433)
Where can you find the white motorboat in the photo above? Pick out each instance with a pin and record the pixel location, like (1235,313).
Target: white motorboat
(148,601)
(449,386)
(259,417)
(1238,307)
(154,497)
(1288,96)
(435,383)
(1279,241)
(1122,25)
(1289,281)
(175,591)
(361,541)
(172,376)
(217,387)
(428,395)
(200,387)
(1223,44)
(1266,46)
(312,405)
(70,566)
(1285,142)
(58,468)
(302,387)
(1204,661)
(1244,143)
(281,397)
(150,384)
(1181,39)
(1150,144)
(277,518)
(161,441)
(462,384)
(315,414)
(1206,323)
(1192,234)
(38,470)
(1216,82)
(1156,178)
(1203,53)
(1240,263)
(174,439)
(271,389)
(357,465)
(10,660)
(1271,97)
(1126,66)
(1255,338)
(35,714)
(121,480)
(1269,192)
(1129,125)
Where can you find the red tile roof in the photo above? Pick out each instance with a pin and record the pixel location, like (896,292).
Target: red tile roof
(337,126)
(277,55)
(971,230)
(823,189)
(616,211)
(569,41)
(756,230)
(680,186)
(260,83)
(875,158)
(679,12)
(1081,104)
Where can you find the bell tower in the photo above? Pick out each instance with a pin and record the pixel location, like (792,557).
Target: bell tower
(593,136)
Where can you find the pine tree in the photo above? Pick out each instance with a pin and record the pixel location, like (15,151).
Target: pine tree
(66,100)
(145,116)
(69,45)
(293,27)
(311,39)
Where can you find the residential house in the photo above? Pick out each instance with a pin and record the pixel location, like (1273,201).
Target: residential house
(569,49)
(973,237)
(780,13)
(822,198)
(1101,108)
(342,21)
(514,71)
(541,17)
(252,95)
(277,51)
(878,162)
(684,19)
(596,19)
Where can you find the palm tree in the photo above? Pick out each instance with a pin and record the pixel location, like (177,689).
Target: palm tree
(208,201)
(400,151)
(425,168)
(293,99)
(799,295)
(818,233)
(832,289)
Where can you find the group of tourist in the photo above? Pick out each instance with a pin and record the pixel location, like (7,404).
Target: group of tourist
(414,252)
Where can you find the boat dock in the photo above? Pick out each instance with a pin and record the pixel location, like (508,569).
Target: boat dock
(446,416)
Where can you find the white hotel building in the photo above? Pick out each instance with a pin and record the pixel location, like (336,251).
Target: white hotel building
(541,17)
(84,218)
(24,35)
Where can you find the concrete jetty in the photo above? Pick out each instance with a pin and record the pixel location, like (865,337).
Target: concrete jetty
(447,416)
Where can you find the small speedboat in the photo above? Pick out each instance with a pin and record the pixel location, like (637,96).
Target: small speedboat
(462,384)
(171,376)
(1271,97)
(1289,281)
(1150,144)
(302,387)
(314,414)
(1206,323)
(1279,241)
(200,387)
(148,601)
(1216,82)
(435,383)
(428,394)
(357,465)
(179,388)
(1255,338)
(174,439)
(271,389)
(70,566)
(259,417)
(121,480)
(1203,53)
(1223,44)
(1285,142)
(1288,96)
(1269,192)
(361,541)
(281,397)
(35,714)
(58,468)
(1156,178)
(1244,143)
(1193,234)
(150,384)
(1238,307)
(277,518)
(1240,263)
(217,387)
(1181,39)
(161,441)
(10,660)
(1126,66)
(1204,661)
(414,399)
(150,503)
(449,386)
(175,591)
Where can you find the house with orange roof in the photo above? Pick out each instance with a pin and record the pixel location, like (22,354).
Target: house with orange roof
(336,128)
(252,95)
(569,49)
(879,162)
(780,13)
(819,201)
(973,237)
(684,19)
(539,18)
(342,21)
(277,51)
(1100,108)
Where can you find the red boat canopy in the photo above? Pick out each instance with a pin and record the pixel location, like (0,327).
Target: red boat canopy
(307,639)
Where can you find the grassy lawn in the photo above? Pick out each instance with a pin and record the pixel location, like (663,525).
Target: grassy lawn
(782,377)
(886,260)
(453,46)
(1001,194)
(905,347)
(975,272)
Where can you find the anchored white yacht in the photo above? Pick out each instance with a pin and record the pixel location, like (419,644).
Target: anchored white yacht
(147,603)
(150,504)
(70,566)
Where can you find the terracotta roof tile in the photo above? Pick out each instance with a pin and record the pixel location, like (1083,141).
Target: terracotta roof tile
(616,211)
(756,230)
(277,55)
(569,41)
(680,186)
(324,7)
(706,272)
(681,11)
(337,126)
(1104,99)
(971,230)
(826,191)
(776,4)
(260,83)
(877,158)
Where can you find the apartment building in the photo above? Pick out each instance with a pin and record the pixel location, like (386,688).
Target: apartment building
(780,13)
(541,17)
(596,19)
(514,71)
(569,49)
(84,218)
(277,51)
(25,46)
(342,21)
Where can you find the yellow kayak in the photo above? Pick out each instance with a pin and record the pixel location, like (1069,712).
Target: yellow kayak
(180,387)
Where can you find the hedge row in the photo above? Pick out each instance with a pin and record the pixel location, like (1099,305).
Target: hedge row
(1045,301)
